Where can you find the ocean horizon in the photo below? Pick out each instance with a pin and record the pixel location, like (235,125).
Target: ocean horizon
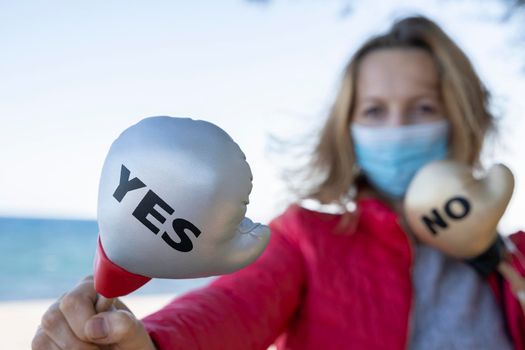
(43,258)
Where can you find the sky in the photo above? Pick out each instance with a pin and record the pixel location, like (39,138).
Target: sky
(75,74)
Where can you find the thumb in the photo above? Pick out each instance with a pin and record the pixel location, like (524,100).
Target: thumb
(119,328)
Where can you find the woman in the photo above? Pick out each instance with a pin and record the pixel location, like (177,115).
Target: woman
(352,281)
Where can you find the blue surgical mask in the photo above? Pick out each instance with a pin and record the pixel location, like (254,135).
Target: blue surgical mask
(390,156)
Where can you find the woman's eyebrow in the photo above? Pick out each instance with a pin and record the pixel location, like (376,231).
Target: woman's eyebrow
(370,99)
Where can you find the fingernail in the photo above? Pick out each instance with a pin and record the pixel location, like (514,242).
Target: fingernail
(97,328)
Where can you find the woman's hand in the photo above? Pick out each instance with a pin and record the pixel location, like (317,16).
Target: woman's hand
(72,322)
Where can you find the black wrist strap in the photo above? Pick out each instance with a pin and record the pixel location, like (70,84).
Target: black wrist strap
(488,261)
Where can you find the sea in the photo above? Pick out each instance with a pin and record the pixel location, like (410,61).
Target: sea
(44,258)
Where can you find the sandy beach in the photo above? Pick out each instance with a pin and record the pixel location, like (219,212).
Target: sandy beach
(20,319)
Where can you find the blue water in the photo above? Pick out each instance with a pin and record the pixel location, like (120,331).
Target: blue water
(42,258)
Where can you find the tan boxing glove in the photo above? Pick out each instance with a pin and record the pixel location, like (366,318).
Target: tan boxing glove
(448,208)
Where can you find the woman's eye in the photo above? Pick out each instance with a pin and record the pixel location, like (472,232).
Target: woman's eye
(426,109)
(372,111)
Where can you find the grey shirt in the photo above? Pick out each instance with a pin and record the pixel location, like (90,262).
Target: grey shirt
(454,308)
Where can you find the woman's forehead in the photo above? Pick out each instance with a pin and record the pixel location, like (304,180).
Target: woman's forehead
(397,71)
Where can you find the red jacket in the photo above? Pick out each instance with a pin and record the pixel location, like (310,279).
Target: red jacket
(314,289)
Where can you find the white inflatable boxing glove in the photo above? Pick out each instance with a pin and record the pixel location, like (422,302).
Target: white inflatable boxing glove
(448,208)
(172,199)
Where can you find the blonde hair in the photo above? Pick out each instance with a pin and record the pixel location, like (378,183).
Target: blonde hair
(464,96)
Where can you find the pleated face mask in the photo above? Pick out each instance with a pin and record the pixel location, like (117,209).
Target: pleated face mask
(390,156)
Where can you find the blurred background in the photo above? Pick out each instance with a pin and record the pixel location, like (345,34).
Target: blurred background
(75,74)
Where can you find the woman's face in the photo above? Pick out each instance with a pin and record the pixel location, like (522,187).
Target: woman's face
(397,87)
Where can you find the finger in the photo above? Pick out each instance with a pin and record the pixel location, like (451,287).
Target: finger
(521,298)
(104,304)
(78,306)
(55,326)
(119,305)
(120,328)
(42,341)
(517,282)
